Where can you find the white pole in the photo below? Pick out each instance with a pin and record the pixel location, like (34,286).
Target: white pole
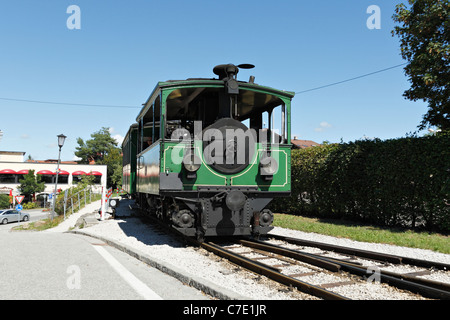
(102,217)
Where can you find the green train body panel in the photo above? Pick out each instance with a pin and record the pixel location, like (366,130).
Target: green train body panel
(249,177)
(129,150)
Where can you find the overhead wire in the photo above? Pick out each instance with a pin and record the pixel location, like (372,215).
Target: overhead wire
(137,107)
(351,79)
(69,103)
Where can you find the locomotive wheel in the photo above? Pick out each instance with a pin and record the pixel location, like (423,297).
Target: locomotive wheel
(183,218)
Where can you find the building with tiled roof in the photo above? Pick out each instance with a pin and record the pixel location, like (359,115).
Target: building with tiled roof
(302,144)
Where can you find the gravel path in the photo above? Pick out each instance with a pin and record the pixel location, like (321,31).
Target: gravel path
(199,263)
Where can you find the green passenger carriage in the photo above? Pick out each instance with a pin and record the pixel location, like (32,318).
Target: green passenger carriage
(208,155)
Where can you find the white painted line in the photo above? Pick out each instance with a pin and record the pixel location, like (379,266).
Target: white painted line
(140,287)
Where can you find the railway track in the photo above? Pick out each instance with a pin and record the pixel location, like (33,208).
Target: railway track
(271,272)
(288,266)
(364,253)
(285,262)
(410,281)
(418,267)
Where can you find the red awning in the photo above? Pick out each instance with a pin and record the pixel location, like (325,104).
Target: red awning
(45,172)
(22,172)
(7,171)
(62,172)
(94,173)
(78,173)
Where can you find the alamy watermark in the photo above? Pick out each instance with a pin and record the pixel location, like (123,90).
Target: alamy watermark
(74,279)
(227,146)
(74,20)
(374,20)
(375,274)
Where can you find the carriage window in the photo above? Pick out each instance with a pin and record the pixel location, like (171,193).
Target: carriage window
(154,128)
(148,135)
(278,129)
(256,110)
(184,106)
(148,126)
(246,122)
(265,123)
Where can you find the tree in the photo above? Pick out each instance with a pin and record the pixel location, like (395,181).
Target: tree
(114,162)
(86,180)
(30,184)
(102,149)
(425,43)
(96,148)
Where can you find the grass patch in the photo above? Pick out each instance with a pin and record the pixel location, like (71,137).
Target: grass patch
(40,225)
(366,233)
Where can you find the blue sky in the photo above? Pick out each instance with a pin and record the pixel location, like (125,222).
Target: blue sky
(125,47)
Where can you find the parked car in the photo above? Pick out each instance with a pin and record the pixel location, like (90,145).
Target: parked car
(11,215)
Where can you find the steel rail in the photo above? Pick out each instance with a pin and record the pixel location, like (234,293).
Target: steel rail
(272,273)
(340,249)
(426,282)
(427,288)
(365,253)
(295,255)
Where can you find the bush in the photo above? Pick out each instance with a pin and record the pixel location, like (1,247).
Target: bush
(30,205)
(4,201)
(399,182)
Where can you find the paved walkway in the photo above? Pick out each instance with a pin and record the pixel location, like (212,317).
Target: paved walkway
(72,219)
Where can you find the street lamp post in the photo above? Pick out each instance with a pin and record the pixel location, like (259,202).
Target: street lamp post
(61,139)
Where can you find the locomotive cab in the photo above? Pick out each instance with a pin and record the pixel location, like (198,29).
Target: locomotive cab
(212,153)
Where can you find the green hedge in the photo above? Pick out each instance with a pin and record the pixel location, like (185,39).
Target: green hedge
(399,182)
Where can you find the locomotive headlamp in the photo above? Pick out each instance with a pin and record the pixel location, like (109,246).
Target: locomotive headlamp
(191,163)
(268,167)
(113,203)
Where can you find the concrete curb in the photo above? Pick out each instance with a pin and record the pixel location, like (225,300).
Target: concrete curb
(201,284)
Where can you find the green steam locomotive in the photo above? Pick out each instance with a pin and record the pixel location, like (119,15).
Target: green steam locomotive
(208,155)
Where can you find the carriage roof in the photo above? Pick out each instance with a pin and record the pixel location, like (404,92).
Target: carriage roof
(252,91)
